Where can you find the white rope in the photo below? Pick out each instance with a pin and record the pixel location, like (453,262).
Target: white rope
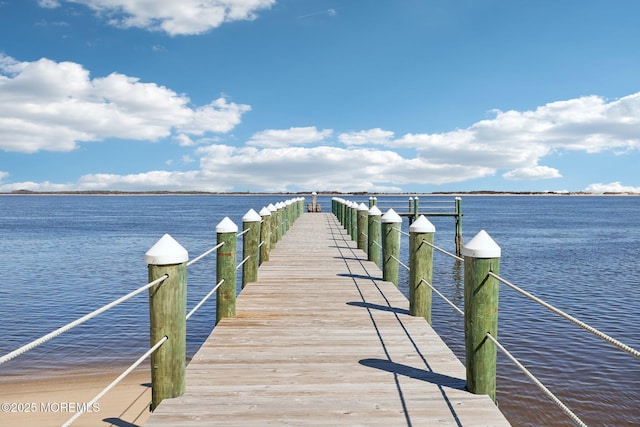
(404,233)
(202,301)
(537,382)
(261,243)
(243,261)
(216,247)
(77,322)
(244,232)
(443,297)
(443,251)
(580,323)
(400,262)
(114,383)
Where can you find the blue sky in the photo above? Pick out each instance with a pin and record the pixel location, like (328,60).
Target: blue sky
(314,95)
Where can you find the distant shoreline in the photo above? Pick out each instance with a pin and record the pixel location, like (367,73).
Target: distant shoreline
(305,193)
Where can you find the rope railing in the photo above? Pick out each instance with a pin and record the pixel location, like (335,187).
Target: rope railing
(84,408)
(537,382)
(447,300)
(454,256)
(198,258)
(243,262)
(203,300)
(572,319)
(35,343)
(242,233)
(400,262)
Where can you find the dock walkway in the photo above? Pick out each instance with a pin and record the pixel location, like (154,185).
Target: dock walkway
(320,339)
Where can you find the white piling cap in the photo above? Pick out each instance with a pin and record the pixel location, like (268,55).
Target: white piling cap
(391,217)
(363,207)
(226,226)
(251,216)
(481,246)
(272,207)
(265,212)
(166,251)
(422,225)
(288,202)
(374,211)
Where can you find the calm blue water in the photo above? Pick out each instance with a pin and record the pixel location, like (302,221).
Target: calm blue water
(64,256)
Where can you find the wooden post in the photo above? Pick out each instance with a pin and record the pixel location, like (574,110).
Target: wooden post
(265,234)
(374,243)
(289,207)
(278,217)
(354,221)
(250,241)
(458,202)
(421,267)
(273,222)
(285,216)
(416,204)
(347,217)
(362,226)
(167,317)
(410,211)
(481,255)
(391,223)
(226,269)
(370,202)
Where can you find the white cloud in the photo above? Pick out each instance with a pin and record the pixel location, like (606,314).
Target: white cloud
(173,17)
(227,168)
(299,158)
(47,105)
(49,4)
(613,187)
(371,136)
(287,137)
(532,173)
(520,140)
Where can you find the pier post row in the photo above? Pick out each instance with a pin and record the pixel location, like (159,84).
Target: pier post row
(391,223)
(226,232)
(250,251)
(167,317)
(421,234)
(481,256)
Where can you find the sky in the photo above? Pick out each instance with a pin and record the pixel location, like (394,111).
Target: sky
(320,95)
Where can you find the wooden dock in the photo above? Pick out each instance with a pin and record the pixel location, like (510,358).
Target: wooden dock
(320,339)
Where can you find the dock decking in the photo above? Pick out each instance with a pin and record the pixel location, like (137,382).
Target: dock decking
(321,339)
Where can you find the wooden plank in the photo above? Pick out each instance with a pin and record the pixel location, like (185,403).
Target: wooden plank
(321,339)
